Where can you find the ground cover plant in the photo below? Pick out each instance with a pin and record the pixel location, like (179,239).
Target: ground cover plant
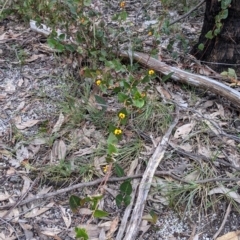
(83,121)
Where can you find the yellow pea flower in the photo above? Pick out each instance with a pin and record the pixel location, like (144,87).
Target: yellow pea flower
(121,115)
(151,72)
(117,131)
(98,82)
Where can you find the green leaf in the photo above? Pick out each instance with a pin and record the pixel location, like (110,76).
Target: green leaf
(119,170)
(145,79)
(232,73)
(70,47)
(225,3)
(224,14)
(112,138)
(217,31)
(119,199)
(127,200)
(224,73)
(123,15)
(209,34)
(166,77)
(111,149)
(87,3)
(126,187)
(138,102)
(154,217)
(74,202)
(201,46)
(81,233)
(99,213)
(122,97)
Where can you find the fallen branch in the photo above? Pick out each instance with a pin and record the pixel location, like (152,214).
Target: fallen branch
(145,184)
(186,77)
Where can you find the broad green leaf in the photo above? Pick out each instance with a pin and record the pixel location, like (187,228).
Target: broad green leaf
(127,200)
(217,31)
(145,79)
(225,3)
(111,149)
(81,233)
(70,47)
(74,202)
(119,170)
(112,138)
(138,102)
(99,213)
(126,187)
(123,15)
(119,199)
(209,34)
(154,217)
(122,97)
(224,14)
(232,73)
(224,73)
(201,46)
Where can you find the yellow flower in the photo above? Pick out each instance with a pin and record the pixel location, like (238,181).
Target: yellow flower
(121,115)
(122,4)
(98,82)
(143,94)
(117,131)
(105,168)
(149,33)
(151,72)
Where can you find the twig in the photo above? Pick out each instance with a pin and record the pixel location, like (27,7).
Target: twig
(7,223)
(115,179)
(21,198)
(188,13)
(224,221)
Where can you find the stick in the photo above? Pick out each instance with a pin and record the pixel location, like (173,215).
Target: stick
(154,161)
(186,77)
(188,13)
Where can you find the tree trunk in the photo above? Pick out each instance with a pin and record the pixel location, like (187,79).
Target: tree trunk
(223,51)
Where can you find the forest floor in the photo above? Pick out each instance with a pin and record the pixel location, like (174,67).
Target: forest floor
(52,139)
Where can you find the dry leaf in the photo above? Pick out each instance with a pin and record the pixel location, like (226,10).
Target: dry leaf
(34,58)
(51,232)
(204,151)
(38,211)
(184,130)
(4,197)
(230,236)
(225,191)
(27,124)
(59,123)
(85,211)
(26,185)
(133,166)
(113,227)
(61,150)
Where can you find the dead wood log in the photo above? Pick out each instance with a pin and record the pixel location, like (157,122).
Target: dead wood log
(186,77)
